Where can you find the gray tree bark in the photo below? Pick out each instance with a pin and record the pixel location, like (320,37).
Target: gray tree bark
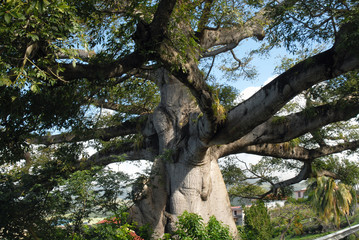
(185,176)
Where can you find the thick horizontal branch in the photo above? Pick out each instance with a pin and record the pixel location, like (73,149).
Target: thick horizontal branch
(287,151)
(283,129)
(219,50)
(272,97)
(98,71)
(233,35)
(129,109)
(78,54)
(278,129)
(126,128)
(228,38)
(123,152)
(280,150)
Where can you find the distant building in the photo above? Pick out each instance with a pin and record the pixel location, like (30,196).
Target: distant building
(238,215)
(299,193)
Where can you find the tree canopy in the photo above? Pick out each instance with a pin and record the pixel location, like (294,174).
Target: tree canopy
(140,79)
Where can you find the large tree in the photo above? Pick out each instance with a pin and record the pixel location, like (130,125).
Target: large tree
(150,63)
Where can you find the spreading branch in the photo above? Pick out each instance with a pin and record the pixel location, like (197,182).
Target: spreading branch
(118,153)
(295,125)
(305,173)
(286,151)
(123,129)
(129,109)
(231,36)
(272,97)
(81,54)
(220,50)
(147,38)
(302,175)
(97,71)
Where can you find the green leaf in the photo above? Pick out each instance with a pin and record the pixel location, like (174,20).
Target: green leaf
(35,88)
(5,81)
(7,18)
(33,37)
(20,16)
(40,6)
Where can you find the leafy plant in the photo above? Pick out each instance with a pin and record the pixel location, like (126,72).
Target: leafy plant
(191,226)
(257,225)
(329,199)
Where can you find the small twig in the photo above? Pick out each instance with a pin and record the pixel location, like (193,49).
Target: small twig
(235,58)
(210,69)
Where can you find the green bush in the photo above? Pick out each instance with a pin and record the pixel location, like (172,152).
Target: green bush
(191,226)
(257,225)
(107,231)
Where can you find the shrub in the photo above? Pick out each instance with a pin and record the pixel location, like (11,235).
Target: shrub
(257,224)
(191,226)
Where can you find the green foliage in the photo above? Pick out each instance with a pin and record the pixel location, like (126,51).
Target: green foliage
(39,200)
(310,20)
(293,218)
(216,230)
(135,96)
(24,112)
(26,27)
(225,94)
(191,226)
(117,227)
(336,88)
(257,224)
(329,199)
(346,170)
(245,190)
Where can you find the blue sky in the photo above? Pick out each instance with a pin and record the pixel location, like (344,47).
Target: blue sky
(265,65)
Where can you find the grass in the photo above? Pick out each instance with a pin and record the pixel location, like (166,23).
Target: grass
(353,219)
(306,237)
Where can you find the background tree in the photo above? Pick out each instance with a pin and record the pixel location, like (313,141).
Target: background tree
(35,203)
(296,217)
(257,223)
(149,63)
(329,199)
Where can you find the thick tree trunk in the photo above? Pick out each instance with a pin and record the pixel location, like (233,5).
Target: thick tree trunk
(186,175)
(179,187)
(199,189)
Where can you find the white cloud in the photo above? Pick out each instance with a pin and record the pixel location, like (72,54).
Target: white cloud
(270,79)
(249,91)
